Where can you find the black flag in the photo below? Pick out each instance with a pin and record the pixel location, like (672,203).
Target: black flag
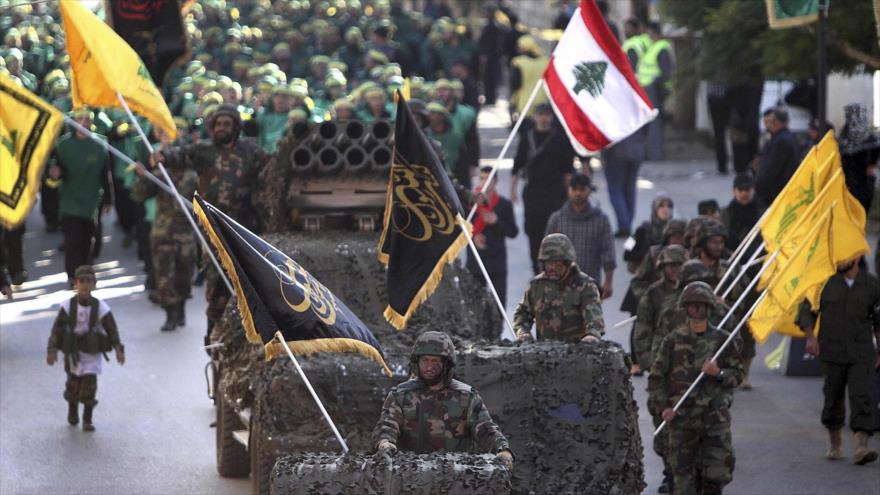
(154,29)
(421,231)
(275,293)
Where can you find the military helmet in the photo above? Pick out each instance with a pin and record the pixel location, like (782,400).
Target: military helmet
(671,254)
(229,111)
(693,271)
(692,230)
(710,229)
(84,271)
(557,247)
(675,226)
(433,344)
(697,292)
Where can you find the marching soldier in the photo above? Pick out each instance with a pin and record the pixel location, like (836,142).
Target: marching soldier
(700,448)
(850,310)
(433,412)
(228,169)
(562,301)
(658,296)
(172,244)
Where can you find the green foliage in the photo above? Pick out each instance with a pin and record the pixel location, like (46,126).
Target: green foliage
(736,43)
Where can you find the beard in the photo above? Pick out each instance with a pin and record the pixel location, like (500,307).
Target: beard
(223,138)
(439,377)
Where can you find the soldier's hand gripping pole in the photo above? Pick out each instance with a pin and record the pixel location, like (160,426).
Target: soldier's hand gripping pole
(732,334)
(178,197)
(513,133)
(489,283)
(280,338)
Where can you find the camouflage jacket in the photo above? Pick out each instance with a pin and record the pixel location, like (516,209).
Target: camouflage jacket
(170,220)
(227,177)
(566,310)
(452,419)
(677,364)
(672,317)
(659,295)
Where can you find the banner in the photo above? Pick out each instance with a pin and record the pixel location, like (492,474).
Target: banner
(102,63)
(275,293)
(154,29)
(423,216)
(791,13)
(28,128)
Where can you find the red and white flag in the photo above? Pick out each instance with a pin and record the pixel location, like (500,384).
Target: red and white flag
(591,85)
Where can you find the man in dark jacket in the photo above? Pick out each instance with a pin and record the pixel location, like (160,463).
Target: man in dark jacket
(493,223)
(849,315)
(779,158)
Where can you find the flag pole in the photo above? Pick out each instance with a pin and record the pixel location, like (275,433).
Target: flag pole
(714,358)
(463,224)
(280,338)
(177,196)
(740,250)
(513,132)
(742,270)
(118,154)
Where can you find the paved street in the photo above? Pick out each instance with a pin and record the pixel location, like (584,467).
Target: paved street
(153,433)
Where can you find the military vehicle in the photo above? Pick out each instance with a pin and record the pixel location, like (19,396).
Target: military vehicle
(567,409)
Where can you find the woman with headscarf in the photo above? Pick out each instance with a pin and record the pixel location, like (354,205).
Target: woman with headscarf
(859,150)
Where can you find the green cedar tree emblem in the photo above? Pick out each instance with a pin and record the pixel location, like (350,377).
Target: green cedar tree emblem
(10,142)
(591,77)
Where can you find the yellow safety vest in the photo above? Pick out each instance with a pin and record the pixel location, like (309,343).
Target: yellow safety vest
(638,43)
(649,65)
(532,69)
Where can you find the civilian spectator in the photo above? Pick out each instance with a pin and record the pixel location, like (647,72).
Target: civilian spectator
(779,158)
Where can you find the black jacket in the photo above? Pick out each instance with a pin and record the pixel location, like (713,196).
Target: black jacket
(495,254)
(779,160)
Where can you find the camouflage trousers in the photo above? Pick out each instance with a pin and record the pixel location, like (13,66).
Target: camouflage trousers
(173,269)
(661,444)
(701,458)
(216,293)
(81,389)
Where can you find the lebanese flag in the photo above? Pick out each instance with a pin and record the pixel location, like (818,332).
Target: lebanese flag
(591,85)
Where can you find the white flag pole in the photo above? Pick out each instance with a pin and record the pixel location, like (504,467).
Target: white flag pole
(177,196)
(476,253)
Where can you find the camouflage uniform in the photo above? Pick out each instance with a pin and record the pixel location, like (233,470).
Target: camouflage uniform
(172,241)
(658,296)
(227,177)
(565,310)
(700,447)
(646,274)
(453,418)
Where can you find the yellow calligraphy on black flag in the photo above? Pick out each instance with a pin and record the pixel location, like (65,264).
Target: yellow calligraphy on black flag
(423,220)
(28,128)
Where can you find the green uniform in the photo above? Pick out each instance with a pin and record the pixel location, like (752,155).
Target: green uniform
(451,142)
(566,310)
(172,241)
(271,128)
(659,295)
(84,167)
(849,315)
(700,447)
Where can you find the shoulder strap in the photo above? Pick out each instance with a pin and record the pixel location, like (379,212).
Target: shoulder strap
(93,314)
(71,313)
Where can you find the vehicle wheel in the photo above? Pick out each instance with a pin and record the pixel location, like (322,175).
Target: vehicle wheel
(261,462)
(232,456)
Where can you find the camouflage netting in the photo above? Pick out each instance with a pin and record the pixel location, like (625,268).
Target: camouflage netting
(409,474)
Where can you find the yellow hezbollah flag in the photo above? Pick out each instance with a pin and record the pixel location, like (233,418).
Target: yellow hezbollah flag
(28,128)
(811,265)
(769,317)
(102,63)
(800,191)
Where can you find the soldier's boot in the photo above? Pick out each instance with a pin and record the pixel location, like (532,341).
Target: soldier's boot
(834,451)
(863,454)
(73,413)
(170,319)
(87,418)
(181,313)
(746,383)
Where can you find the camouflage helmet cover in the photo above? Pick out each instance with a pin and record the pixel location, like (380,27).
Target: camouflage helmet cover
(710,229)
(697,292)
(557,247)
(671,254)
(675,226)
(433,344)
(693,271)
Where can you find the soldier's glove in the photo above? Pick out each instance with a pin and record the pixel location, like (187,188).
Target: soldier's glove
(506,458)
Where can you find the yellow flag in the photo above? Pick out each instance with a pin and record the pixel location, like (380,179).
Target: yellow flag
(810,265)
(800,191)
(28,128)
(769,317)
(102,63)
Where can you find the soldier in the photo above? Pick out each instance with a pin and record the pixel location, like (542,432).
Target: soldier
(850,311)
(83,330)
(432,412)
(562,301)
(228,169)
(700,449)
(658,296)
(172,244)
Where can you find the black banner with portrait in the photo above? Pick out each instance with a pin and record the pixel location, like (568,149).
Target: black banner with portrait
(422,228)
(275,293)
(154,29)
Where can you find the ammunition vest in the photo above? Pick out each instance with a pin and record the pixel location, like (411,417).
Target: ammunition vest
(91,342)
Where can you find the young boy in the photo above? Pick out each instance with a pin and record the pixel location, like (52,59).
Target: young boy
(84,330)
